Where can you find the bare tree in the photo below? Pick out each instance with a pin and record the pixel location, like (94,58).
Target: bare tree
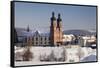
(63,55)
(52,56)
(28,55)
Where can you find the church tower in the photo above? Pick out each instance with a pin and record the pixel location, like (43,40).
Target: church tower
(53,29)
(56,30)
(59,29)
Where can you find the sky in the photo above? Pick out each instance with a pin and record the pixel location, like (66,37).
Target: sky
(38,15)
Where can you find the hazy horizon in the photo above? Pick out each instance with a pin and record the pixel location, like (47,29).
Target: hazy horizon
(37,16)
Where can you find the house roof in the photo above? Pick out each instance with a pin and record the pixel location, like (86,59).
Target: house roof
(31,33)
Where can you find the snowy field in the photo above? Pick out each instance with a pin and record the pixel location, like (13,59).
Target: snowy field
(53,55)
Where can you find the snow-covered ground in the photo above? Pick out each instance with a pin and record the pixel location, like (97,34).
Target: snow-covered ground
(53,55)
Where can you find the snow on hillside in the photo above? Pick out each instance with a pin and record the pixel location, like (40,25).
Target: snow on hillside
(51,55)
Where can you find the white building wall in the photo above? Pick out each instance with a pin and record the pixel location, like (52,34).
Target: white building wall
(41,40)
(68,38)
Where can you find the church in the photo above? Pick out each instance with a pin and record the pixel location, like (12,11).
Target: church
(55,37)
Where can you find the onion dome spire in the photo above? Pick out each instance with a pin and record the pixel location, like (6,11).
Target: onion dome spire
(53,16)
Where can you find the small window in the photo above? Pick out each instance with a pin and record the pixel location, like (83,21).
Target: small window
(41,38)
(41,42)
(32,42)
(36,38)
(49,38)
(45,38)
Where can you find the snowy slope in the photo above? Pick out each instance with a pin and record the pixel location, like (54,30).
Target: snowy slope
(53,54)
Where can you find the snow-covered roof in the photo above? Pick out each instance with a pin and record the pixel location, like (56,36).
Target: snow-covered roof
(40,34)
(33,33)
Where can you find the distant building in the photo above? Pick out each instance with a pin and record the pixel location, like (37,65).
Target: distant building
(68,38)
(87,40)
(56,35)
(40,39)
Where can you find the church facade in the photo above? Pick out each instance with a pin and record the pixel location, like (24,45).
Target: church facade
(56,35)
